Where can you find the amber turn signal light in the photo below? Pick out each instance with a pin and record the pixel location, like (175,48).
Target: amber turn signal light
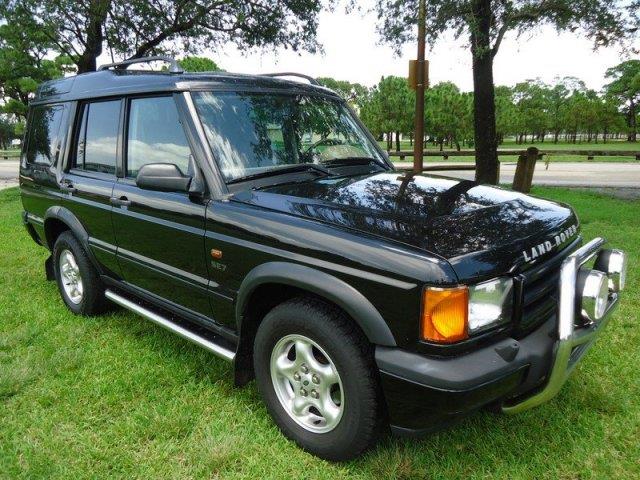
(444,314)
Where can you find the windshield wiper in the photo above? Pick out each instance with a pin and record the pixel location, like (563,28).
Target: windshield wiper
(347,161)
(281,170)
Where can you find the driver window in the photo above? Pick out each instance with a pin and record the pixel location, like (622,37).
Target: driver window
(155,135)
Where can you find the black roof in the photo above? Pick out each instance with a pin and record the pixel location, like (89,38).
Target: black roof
(107,83)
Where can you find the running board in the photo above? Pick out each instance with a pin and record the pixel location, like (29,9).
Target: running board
(171,326)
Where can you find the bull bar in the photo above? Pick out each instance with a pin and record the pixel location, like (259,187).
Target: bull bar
(572,342)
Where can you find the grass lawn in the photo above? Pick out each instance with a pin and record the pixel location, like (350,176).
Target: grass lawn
(116,396)
(509,145)
(13,153)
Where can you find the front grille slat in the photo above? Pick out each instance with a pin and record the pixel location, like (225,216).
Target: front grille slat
(539,293)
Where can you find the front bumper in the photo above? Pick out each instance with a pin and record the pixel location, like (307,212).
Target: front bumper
(424,393)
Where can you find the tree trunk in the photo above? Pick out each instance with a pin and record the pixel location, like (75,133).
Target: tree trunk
(484,108)
(633,127)
(397,141)
(98,10)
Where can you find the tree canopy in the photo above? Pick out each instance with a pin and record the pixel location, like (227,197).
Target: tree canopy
(24,64)
(136,28)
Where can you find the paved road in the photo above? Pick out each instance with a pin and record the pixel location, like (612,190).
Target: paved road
(578,174)
(8,173)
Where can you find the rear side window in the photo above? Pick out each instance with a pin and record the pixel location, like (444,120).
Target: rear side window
(97,139)
(42,147)
(155,135)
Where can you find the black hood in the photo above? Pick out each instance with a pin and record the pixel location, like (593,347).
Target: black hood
(481,230)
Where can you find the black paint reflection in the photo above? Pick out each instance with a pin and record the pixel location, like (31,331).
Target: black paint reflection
(448,217)
(45,124)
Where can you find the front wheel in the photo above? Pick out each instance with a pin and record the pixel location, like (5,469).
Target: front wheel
(316,373)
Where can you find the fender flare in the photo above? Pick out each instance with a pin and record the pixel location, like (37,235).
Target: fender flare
(70,220)
(322,284)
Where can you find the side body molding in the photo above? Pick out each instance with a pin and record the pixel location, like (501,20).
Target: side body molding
(322,284)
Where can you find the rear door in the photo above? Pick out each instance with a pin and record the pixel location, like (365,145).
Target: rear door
(38,167)
(160,235)
(91,174)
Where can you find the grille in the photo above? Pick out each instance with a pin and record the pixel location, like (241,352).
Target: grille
(537,292)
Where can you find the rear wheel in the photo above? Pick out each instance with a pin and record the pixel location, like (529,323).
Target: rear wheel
(316,373)
(78,281)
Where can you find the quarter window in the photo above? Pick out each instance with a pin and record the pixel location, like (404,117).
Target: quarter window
(98,137)
(155,135)
(45,140)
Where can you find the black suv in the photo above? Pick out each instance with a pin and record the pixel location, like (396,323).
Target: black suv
(258,218)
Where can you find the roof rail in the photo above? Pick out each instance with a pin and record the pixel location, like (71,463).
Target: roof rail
(311,80)
(174,66)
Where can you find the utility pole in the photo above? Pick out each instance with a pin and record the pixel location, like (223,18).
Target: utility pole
(418,143)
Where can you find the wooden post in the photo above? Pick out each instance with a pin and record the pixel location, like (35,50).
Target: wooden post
(418,143)
(524,171)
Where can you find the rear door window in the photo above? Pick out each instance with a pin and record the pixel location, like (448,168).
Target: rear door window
(44,141)
(155,135)
(97,138)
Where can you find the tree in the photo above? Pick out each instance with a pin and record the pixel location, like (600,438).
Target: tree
(485,23)
(447,113)
(7,132)
(137,28)
(625,86)
(198,64)
(24,64)
(532,100)
(395,102)
(354,93)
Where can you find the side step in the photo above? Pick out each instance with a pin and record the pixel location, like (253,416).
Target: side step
(171,326)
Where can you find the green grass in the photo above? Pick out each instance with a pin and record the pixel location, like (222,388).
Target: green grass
(548,145)
(116,396)
(12,153)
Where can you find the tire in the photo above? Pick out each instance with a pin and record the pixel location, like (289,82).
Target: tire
(71,262)
(337,345)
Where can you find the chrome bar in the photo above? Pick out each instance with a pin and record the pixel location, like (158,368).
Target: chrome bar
(171,326)
(568,336)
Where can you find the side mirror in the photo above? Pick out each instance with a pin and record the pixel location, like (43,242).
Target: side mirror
(164,177)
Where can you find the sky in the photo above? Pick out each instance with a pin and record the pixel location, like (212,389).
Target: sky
(351,52)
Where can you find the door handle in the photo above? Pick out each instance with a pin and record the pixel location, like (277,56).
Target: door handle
(67,186)
(120,201)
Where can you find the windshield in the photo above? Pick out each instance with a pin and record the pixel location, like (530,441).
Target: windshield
(254,133)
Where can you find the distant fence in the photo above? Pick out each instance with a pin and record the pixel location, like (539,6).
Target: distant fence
(590,154)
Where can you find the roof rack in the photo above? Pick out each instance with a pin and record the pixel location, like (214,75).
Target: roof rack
(311,80)
(174,66)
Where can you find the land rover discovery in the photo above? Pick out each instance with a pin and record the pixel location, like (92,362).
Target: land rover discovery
(257,217)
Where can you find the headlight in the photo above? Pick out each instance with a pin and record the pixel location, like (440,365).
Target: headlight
(594,294)
(490,303)
(614,264)
(451,314)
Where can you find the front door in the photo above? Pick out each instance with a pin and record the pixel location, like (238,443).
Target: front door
(88,180)
(160,235)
